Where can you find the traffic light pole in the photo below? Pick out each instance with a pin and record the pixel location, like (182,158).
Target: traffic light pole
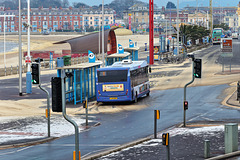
(48,107)
(76,153)
(185,88)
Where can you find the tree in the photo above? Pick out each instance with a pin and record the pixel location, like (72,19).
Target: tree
(222,25)
(80,5)
(45,3)
(65,3)
(170,5)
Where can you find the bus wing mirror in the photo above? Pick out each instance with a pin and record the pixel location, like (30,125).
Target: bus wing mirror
(150,69)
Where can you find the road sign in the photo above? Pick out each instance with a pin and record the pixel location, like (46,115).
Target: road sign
(27,59)
(226,44)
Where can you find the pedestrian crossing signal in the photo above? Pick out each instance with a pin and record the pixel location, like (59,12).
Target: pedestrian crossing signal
(35,73)
(165,139)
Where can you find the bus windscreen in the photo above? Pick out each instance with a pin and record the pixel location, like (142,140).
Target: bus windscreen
(112,76)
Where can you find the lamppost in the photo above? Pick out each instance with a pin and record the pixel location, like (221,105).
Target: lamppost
(20,47)
(28,74)
(177,27)
(103,33)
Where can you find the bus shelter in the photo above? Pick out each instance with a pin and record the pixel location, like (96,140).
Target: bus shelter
(133,51)
(116,57)
(82,83)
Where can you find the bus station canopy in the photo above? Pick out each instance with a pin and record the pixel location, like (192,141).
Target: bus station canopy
(118,55)
(81,65)
(131,49)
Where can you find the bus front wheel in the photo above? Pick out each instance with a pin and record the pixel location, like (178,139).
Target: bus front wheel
(148,93)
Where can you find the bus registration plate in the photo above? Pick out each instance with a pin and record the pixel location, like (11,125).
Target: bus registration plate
(113,98)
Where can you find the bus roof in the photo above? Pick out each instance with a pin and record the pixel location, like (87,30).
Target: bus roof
(132,65)
(217,29)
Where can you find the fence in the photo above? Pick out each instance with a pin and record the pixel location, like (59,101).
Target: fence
(45,65)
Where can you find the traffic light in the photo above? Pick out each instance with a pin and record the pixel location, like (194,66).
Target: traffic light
(185,105)
(56,94)
(35,73)
(198,68)
(165,139)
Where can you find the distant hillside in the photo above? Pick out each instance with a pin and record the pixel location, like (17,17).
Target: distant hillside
(204,3)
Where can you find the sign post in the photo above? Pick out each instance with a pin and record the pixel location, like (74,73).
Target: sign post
(226,49)
(156,116)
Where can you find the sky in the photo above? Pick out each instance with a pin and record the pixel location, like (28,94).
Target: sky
(161,3)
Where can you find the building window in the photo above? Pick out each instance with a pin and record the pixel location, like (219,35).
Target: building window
(34,23)
(90,17)
(75,23)
(142,20)
(50,17)
(71,17)
(39,23)
(50,23)
(75,17)
(55,23)
(34,17)
(55,17)
(65,17)
(44,18)
(142,13)
(39,17)
(90,23)
(60,17)
(44,23)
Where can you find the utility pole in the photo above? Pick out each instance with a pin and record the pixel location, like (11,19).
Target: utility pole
(103,33)
(28,74)
(177,27)
(211,18)
(151,62)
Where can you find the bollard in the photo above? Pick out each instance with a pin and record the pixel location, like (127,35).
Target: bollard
(206,149)
(5,71)
(145,46)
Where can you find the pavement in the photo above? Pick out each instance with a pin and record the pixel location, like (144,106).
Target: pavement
(185,142)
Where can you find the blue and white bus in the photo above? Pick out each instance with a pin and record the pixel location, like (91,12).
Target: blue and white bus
(123,81)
